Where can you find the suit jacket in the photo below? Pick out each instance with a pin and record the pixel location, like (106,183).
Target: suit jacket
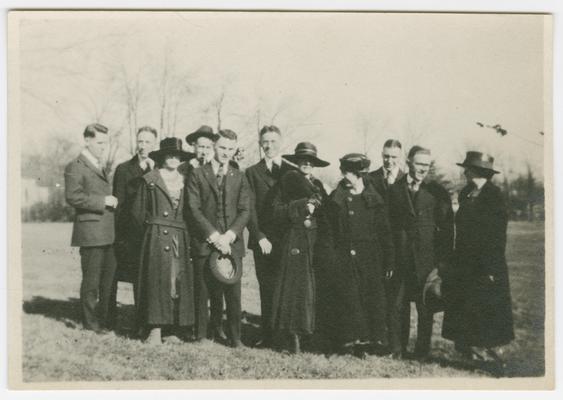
(263,187)
(423,227)
(379,182)
(85,189)
(203,201)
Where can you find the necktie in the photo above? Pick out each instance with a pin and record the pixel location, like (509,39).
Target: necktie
(220,175)
(390,178)
(275,170)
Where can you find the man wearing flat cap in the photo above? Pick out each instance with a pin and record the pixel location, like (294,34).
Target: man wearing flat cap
(88,190)
(219,202)
(421,218)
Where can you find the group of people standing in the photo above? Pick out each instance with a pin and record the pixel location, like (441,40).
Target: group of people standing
(336,270)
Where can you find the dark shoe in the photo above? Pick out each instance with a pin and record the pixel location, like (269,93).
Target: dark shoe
(237,344)
(219,334)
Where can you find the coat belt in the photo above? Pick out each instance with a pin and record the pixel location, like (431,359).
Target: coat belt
(174,223)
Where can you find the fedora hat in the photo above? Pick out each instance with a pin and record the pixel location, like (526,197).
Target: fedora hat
(306,151)
(476,159)
(202,131)
(171,146)
(355,162)
(225,268)
(432,292)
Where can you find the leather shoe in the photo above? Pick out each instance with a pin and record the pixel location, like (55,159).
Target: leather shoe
(237,344)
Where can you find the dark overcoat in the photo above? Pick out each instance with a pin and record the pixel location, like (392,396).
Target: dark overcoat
(165,231)
(128,239)
(479,311)
(294,297)
(263,189)
(354,250)
(423,228)
(205,218)
(377,178)
(86,188)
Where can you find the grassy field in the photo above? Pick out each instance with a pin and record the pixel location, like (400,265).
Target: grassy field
(56,348)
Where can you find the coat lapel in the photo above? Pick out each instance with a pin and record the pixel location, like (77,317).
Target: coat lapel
(405,189)
(155,177)
(265,174)
(210,177)
(97,171)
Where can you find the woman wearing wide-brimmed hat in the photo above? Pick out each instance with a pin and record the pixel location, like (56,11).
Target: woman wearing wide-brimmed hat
(478,310)
(295,211)
(355,255)
(165,288)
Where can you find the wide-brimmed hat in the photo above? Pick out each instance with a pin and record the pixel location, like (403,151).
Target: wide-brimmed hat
(306,151)
(171,146)
(354,162)
(478,160)
(202,131)
(225,268)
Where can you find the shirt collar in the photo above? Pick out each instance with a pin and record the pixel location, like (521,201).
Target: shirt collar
(479,182)
(410,181)
(90,157)
(216,165)
(394,172)
(269,161)
(148,161)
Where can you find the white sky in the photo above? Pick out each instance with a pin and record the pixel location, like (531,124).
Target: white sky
(417,77)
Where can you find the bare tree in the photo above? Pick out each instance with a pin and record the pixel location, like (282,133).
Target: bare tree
(133,92)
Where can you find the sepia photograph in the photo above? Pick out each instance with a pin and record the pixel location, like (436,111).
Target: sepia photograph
(280,199)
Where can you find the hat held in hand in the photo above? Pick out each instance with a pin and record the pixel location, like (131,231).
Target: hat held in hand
(225,268)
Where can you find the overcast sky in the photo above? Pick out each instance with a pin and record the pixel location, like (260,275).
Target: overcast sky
(424,78)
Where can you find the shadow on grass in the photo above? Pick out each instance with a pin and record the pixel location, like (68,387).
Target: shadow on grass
(69,312)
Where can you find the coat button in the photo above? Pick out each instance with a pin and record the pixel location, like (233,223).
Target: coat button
(349,199)
(165,232)
(295,252)
(166,248)
(307,223)
(353,252)
(165,213)
(351,212)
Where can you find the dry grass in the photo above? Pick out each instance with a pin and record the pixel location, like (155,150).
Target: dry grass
(57,349)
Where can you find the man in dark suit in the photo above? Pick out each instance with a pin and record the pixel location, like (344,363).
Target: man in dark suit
(125,185)
(88,190)
(421,218)
(264,237)
(219,202)
(390,171)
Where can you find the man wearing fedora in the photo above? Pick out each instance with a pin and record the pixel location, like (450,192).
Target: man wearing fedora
(219,202)
(265,236)
(421,219)
(88,190)
(390,171)
(202,141)
(478,309)
(126,181)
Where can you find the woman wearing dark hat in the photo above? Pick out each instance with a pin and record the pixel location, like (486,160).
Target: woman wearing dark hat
(355,252)
(295,211)
(165,289)
(476,290)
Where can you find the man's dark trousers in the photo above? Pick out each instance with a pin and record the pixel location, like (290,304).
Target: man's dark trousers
(266,267)
(98,271)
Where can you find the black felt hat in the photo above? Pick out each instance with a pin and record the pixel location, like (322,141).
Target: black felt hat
(478,160)
(306,151)
(202,131)
(225,268)
(354,162)
(171,146)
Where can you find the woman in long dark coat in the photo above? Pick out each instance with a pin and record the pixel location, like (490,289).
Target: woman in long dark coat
(300,195)
(355,254)
(165,295)
(478,305)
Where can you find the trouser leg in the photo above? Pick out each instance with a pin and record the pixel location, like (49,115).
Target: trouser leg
(395,303)
(265,273)
(424,330)
(201,298)
(232,299)
(91,260)
(107,304)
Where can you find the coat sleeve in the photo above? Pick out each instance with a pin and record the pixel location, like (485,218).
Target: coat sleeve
(495,222)
(140,206)
(243,208)
(203,227)
(444,217)
(120,191)
(385,237)
(253,226)
(75,193)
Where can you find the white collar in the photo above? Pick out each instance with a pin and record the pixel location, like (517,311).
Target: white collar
(276,160)
(479,182)
(410,181)
(147,161)
(394,172)
(216,165)
(90,157)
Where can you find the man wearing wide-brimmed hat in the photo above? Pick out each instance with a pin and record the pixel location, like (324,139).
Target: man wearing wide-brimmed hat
(202,141)
(477,291)
(421,218)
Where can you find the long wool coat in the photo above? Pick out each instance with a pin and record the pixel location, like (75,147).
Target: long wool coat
(165,233)
(478,311)
(354,250)
(294,296)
